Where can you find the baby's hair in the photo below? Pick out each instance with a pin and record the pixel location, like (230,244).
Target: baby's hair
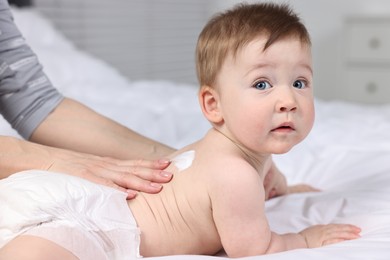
(227,32)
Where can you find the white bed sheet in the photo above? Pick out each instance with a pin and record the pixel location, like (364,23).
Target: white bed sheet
(347,154)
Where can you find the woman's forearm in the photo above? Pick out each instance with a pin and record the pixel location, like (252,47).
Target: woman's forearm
(18,155)
(76,127)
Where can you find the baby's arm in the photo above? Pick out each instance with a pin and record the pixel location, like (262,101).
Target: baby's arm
(238,210)
(314,236)
(275,184)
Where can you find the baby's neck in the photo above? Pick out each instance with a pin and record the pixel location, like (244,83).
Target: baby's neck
(255,159)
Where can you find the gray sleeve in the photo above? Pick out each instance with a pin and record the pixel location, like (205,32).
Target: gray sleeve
(26,94)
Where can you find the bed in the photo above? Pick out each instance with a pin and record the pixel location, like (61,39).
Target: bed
(347,154)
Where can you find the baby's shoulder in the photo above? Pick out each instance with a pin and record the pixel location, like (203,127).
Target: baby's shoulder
(232,170)
(235,178)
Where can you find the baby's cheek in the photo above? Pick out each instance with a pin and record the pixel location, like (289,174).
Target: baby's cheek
(309,121)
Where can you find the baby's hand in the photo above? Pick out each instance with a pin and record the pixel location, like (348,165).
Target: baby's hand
(301,188)
(321,235)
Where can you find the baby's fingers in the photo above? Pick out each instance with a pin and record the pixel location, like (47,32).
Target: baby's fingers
(300,188)
(341,232)
(346,228)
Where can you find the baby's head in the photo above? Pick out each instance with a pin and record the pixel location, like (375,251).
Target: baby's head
(255,71)
(228,32)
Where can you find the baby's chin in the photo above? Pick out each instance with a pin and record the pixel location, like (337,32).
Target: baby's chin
(282,149)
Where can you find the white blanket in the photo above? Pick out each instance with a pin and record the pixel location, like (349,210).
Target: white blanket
(347,154)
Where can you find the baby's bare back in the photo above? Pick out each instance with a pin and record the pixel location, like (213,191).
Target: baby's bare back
(178,220)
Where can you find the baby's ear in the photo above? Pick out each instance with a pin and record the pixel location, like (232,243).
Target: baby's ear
(210,104)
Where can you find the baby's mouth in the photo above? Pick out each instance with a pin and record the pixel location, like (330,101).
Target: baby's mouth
(284,127)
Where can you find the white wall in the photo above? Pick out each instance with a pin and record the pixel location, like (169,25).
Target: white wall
(155,39)
(143,39)
(324,20)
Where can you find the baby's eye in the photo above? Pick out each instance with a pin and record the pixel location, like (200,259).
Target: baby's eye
(262,85)
(299,84)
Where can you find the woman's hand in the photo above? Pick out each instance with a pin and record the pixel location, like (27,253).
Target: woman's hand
(126,175)
(130,176)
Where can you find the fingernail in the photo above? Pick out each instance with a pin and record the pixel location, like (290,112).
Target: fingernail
(131,193)
(164,161)
(155,185)
(166,174)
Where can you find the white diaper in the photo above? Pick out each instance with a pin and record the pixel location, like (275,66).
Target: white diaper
(92,221)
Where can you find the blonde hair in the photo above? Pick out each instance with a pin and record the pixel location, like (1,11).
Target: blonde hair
(229,31)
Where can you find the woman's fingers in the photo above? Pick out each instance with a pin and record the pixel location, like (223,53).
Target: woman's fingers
(130,176)
(137,177)
(154,164)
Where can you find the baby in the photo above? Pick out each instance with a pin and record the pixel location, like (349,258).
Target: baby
(255,72)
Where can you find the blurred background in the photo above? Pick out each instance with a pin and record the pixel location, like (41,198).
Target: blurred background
(155,39)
